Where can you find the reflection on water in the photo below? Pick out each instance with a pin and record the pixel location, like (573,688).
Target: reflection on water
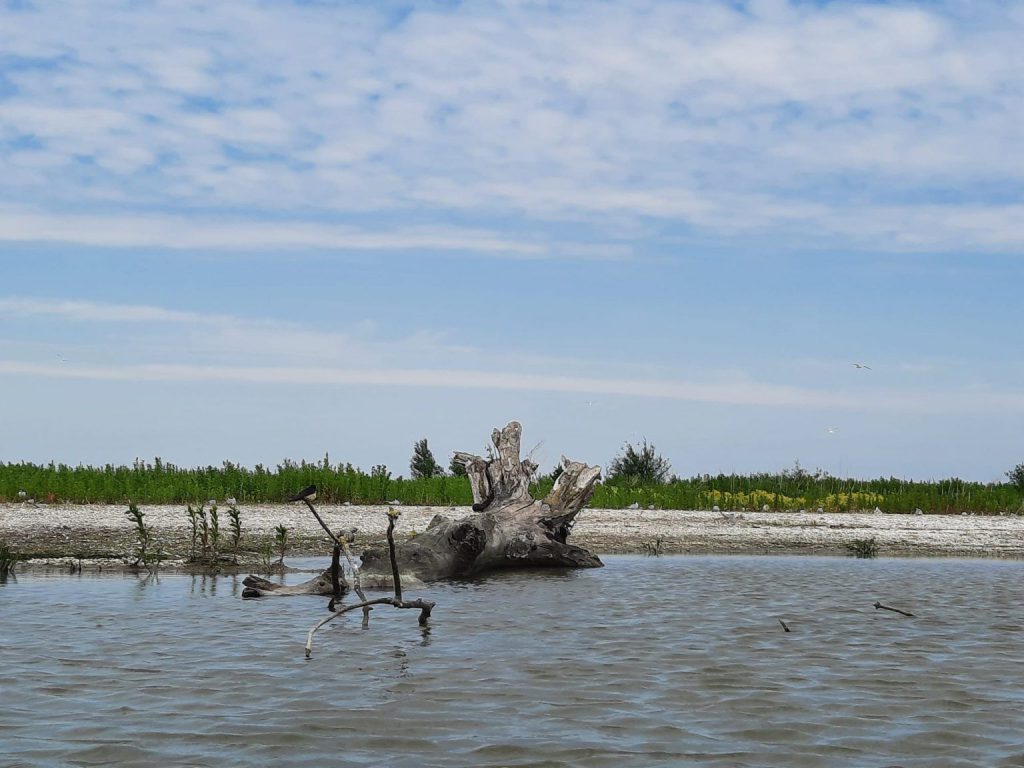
(649,661)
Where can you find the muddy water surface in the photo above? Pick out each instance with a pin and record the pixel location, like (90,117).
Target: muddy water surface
(649,661)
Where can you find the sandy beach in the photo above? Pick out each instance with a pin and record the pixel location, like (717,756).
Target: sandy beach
(51,535)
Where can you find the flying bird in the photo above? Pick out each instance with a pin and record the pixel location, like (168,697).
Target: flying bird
(306,494)
(861,365)
(832,430)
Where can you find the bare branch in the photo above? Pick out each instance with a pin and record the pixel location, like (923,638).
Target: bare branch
(425,606)
(392,516)
(894,610)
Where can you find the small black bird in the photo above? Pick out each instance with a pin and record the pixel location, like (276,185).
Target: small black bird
(306,494)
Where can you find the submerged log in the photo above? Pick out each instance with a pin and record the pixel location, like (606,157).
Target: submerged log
(330,582)
(259,587)
(508,527)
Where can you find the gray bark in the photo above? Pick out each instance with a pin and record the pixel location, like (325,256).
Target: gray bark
(318,585)
(509,528)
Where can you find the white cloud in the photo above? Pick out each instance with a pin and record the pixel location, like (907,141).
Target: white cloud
(152,333)
(88,311)
(234,234)
(888,122)
(176,341)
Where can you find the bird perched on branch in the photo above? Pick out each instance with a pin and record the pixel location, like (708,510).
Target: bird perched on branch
(306,494)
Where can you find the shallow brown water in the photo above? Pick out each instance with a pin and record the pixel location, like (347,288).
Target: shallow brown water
(649,661)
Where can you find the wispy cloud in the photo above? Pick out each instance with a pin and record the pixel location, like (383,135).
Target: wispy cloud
(90,311)
(199,346)
(741,392)
(157,334)
(230,233)
(154,343)
(888,125)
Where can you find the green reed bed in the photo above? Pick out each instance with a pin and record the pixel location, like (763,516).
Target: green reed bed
(792,490)
(785,493)
(161,483)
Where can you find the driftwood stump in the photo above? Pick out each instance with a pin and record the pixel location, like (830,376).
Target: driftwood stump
(508,527)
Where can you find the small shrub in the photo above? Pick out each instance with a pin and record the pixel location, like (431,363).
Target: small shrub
(863,547)
(653,548)
(643,465)
(204,532)
(144,557)
(282,543)
(214,554)
(235,526)
(8,559)
(193,520)
(266,557)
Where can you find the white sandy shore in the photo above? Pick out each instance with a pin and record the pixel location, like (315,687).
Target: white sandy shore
(63,529)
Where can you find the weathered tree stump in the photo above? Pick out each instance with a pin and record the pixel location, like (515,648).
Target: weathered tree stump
(509,528)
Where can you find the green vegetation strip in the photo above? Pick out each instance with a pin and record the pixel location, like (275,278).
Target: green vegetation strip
(791,490)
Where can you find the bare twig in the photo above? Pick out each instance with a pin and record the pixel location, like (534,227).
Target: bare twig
(425,606)
(357,585)
(392,516)
(342,544)
(322,523)
(894,610)
(335,577)
(784,625)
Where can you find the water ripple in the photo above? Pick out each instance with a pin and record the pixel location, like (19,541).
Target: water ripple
(650,661)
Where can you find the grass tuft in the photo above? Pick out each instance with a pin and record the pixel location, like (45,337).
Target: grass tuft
(8,559)
(866,548)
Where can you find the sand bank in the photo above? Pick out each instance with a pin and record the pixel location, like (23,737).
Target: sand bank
(50,533)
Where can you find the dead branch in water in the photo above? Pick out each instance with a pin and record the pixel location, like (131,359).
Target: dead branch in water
(330,581)
(335,576)
(392,516)
(784,625)
(341,543)
(894,610)
(424,606)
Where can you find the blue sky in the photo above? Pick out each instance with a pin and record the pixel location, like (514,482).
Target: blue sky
(252,231)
